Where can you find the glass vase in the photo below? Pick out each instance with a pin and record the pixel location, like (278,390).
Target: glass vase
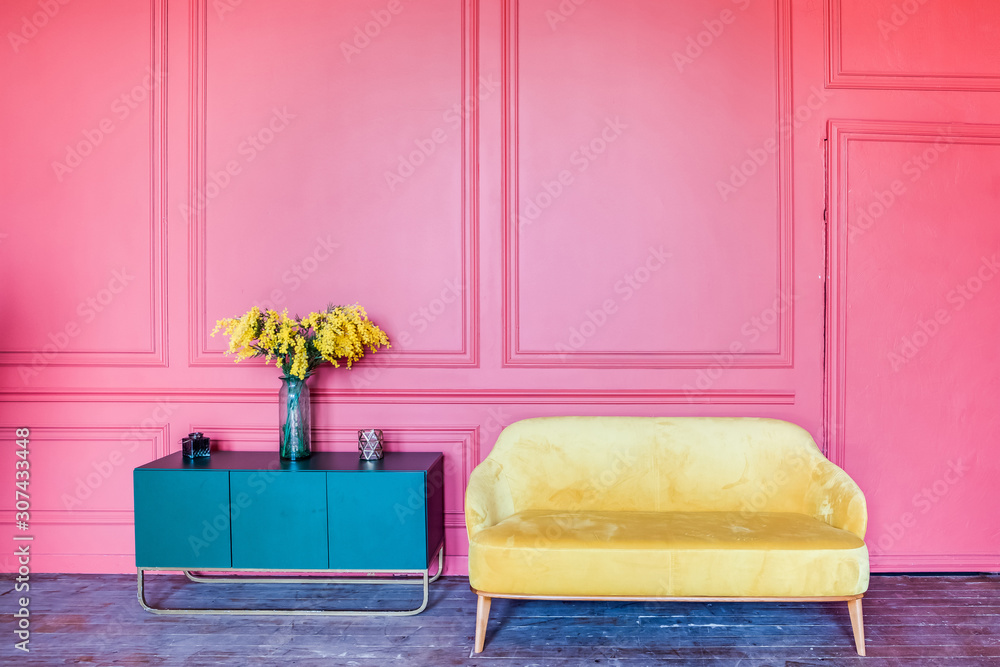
(294,419)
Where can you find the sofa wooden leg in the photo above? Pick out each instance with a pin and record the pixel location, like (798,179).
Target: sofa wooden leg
(858,623)
(482,617)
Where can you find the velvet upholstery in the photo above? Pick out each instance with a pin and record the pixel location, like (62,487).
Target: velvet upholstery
(664,507)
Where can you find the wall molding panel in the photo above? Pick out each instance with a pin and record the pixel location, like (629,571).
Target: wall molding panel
(56,545)
(412,397)
(944,562)
(516,357)
(837,76)
(154,439)
(155,351)
(467,356)
(842,133)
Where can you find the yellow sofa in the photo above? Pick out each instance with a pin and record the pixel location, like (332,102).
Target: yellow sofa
(644,508)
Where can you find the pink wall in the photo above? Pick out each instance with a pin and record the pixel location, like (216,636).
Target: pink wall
(553,207)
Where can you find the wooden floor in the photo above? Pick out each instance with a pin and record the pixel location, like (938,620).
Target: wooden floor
(95,619)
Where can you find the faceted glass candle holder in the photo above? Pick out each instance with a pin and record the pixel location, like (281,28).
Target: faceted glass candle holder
(196,446)
(370,444)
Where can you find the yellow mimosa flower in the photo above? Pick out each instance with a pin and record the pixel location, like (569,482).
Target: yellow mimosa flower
(337,335)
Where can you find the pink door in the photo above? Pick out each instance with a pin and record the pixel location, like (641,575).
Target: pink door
(913,368)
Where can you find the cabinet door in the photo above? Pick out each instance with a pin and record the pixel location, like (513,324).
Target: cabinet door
(378,520)
(182,518)
(279,520)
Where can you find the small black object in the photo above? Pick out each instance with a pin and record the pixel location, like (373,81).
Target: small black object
(196,446)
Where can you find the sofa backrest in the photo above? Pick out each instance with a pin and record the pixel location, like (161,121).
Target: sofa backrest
(656,464)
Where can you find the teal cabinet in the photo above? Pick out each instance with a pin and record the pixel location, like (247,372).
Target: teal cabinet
(181,520)
(253,511)
(239,512)
(377,522)
(279,520)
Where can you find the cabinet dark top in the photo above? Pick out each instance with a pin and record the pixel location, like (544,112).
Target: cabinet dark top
(319,461)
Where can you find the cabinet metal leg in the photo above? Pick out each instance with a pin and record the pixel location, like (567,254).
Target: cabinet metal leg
(424,581)
(437,575)
(387,577)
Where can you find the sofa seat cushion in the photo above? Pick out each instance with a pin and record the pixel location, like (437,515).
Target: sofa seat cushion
(667,554)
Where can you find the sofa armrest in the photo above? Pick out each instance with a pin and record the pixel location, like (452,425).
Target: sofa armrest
(833,497)
(487,498)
